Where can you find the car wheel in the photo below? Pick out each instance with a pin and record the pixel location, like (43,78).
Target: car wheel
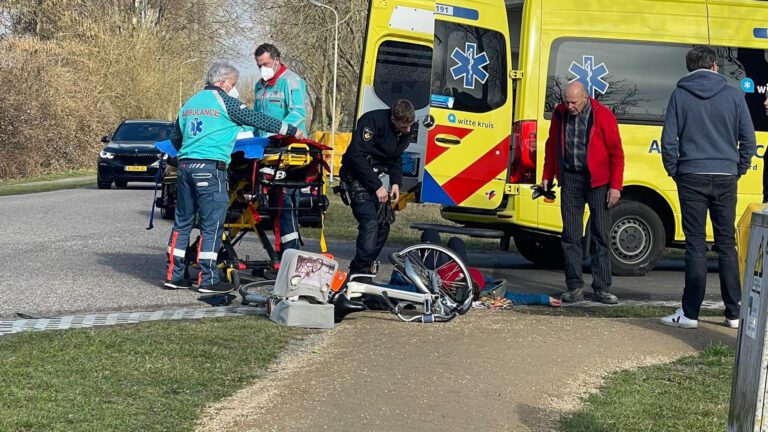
(103,184)
(544,251)
(168,213)
(637,238)
(121,183)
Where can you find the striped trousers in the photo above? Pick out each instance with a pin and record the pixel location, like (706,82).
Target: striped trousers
(576,191)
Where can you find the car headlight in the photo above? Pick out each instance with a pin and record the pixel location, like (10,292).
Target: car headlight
(155,164)
(106,155)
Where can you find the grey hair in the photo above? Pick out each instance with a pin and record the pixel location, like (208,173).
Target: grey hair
(220,71)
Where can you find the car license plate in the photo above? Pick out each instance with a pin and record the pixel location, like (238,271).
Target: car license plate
(134,168)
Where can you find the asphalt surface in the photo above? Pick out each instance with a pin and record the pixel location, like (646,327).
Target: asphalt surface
(88,250)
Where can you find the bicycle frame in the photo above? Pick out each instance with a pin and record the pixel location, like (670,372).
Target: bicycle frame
(436,305)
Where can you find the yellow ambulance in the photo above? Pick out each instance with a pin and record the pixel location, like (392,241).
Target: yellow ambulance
(485,76)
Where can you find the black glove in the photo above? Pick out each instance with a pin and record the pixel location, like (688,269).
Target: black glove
(386,213)
(539,191)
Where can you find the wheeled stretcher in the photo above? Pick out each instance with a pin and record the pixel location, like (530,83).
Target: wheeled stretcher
(258,183)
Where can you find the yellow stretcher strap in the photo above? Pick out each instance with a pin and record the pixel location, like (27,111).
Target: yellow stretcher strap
(323,245)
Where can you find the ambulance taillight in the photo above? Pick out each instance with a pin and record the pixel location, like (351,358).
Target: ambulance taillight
(524,163)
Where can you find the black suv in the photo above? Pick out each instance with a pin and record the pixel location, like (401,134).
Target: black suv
(130,154)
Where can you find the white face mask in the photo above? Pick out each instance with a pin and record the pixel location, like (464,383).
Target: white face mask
(234,93)
(267,73)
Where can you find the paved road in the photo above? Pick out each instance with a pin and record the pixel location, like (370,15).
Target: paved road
(86,250)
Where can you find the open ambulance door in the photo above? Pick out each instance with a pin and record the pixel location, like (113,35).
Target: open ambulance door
(397,62)
(468,144)
(739,33)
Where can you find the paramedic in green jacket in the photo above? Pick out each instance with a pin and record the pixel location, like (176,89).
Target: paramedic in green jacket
(205,134)
(282,94)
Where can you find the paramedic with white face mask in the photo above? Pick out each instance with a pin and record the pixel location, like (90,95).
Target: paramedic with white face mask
(281,93)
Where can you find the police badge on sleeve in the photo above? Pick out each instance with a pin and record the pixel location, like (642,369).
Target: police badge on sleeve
(367,133)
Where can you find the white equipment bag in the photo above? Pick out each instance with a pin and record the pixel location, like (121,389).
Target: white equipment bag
(300,298)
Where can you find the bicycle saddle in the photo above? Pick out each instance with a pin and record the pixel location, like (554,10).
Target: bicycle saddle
(342,306)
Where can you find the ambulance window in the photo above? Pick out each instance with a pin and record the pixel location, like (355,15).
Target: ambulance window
(469,65)
(402,71)
(633,79)
(747,69)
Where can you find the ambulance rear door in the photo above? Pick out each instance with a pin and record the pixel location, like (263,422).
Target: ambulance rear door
(397,61)
(468,142)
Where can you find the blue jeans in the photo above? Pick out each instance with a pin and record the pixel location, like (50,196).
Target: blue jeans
(716,194)
(201,190)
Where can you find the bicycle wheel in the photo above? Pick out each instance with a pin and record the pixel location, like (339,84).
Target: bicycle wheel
(257,293)
(440,271)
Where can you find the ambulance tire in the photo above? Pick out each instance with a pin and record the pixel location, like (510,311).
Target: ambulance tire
(637,238)
(121,184)
(544,251)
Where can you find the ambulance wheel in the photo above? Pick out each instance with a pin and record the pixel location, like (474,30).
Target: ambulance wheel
(104,184)
(168,213)
(544,251)
(121,183)
(637,238)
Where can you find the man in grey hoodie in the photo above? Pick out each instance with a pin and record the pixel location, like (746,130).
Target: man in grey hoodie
(707,143)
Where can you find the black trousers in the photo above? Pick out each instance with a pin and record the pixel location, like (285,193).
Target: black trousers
(577,190)
(716,194)
(372,234)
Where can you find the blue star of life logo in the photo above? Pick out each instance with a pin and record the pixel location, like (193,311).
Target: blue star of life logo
(590,75)
(195,126)
(469,65)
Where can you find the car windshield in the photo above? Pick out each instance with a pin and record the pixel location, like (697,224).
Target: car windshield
(142,132)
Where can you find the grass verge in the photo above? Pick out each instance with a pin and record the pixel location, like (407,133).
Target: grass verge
(49,177)
(47,183)
(341,225)
(149,377)
(690,394)
(20,189)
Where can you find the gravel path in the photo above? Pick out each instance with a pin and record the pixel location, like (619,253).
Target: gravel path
(486,371)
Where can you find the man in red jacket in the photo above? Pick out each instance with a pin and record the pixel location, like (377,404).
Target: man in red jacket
(584,152)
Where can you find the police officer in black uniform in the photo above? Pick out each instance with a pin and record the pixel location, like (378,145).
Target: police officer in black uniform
(376,149)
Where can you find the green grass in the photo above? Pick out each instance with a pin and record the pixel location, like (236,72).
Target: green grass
(145,377)
(20,189)
(45,183)
(690,394)
(612,311)
(341,225)
(48,177)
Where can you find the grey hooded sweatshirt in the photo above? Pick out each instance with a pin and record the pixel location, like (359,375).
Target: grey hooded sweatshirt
(707,128)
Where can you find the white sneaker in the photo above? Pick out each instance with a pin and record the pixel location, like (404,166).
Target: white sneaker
(678,319)
(731,323)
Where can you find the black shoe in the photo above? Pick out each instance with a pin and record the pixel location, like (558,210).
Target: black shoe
(573,295)
(604,297)
(182,284)
(217,288)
